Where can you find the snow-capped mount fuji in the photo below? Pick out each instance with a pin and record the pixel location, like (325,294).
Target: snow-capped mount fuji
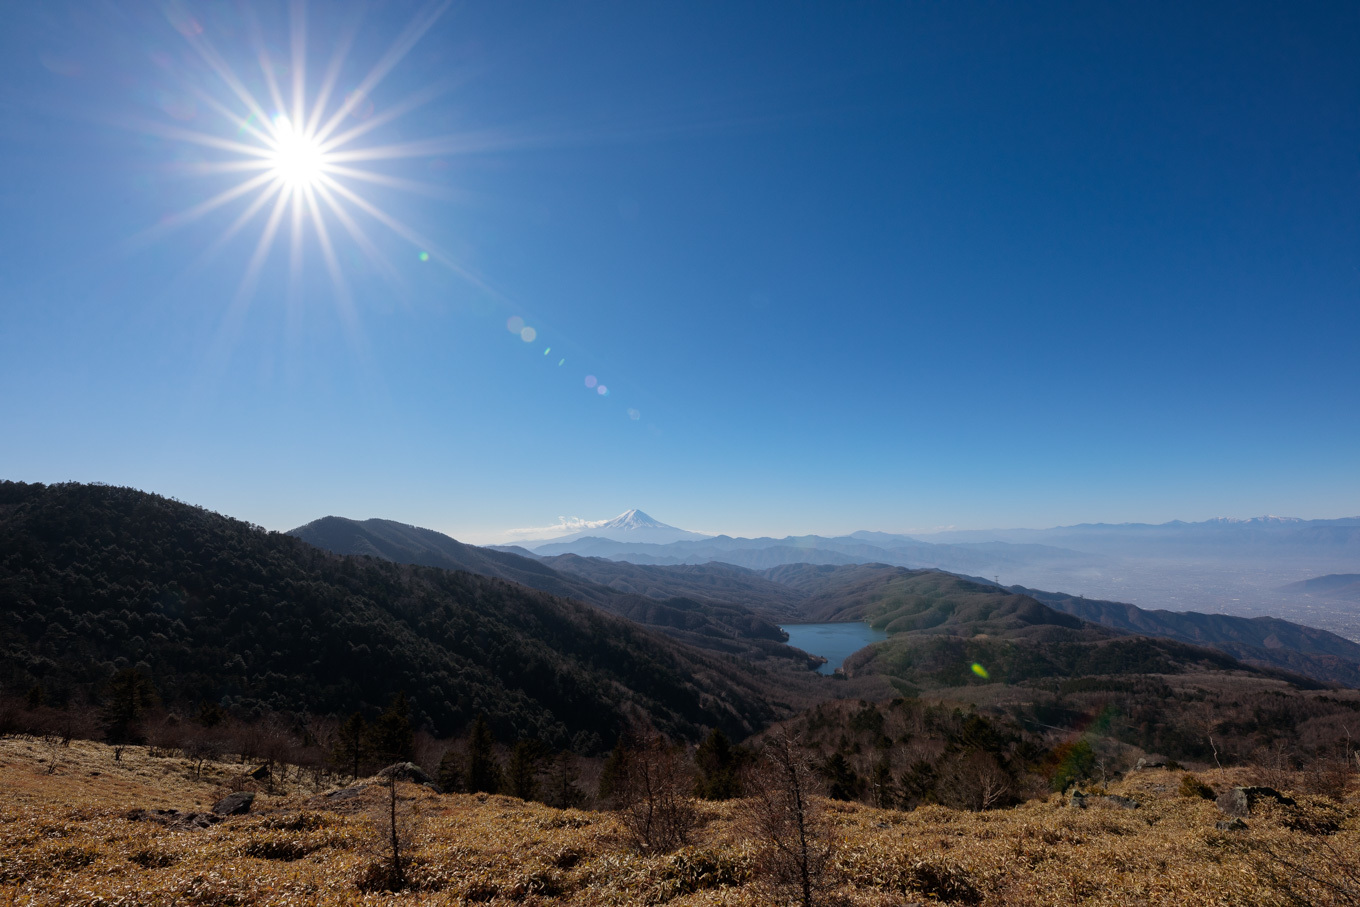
(629,526)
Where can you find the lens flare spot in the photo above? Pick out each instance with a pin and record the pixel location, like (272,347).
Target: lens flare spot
(591,381)
(980,671)
(424,256)
(634,415)
(602,391)
(561,362)
(514,324)
(528,335)
(547,351)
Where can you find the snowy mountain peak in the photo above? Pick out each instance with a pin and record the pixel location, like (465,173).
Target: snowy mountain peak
(633,519)
(629,526)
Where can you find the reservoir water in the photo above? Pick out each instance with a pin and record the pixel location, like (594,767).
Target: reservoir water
(834,642)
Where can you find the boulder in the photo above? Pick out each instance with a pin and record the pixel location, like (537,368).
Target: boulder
(1152,762)
(406,771)
(1084,801)
(1240,800)
(261,773)
(1234,802)
(237,804)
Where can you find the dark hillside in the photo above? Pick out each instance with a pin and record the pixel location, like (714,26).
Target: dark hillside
(1258,640)
(673,608)
(96,578)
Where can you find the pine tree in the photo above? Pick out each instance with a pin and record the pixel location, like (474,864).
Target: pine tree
(451,775)
(522,776)
(881,783)
(351,747)
(560,787)
(842,781)
(391,737)
(484,770)
(719,765)
(130,695)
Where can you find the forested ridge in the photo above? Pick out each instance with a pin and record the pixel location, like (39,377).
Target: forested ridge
(94,579)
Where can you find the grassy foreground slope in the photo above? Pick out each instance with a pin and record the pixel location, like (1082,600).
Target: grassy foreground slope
(94,579)
(66,838)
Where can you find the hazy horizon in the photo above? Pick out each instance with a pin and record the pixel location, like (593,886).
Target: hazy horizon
(759,271)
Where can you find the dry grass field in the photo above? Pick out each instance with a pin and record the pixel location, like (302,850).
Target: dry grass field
(66,837)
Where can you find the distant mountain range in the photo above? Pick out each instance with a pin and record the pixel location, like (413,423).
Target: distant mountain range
(1225,564)
(733,607)
(1343,586)
(95,579)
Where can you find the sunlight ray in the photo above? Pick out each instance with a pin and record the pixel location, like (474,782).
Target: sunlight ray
(246,287)
(360,237)
(150,127)
(232,116)
(332,75)
(205,168)
(409,235)
(394,182)
(242,219)
(462,144)
(424,96)
(298,21)
(400,48)
(348,315)
(188,216)
(227,75)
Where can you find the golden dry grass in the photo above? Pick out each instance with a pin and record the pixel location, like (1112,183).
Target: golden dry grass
(65,839)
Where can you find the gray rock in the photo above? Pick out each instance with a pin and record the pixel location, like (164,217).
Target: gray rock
(1241,800)
(1234,802)
(237,804)
(1231,825)
(1085,801)
(406,771)
(1152,762)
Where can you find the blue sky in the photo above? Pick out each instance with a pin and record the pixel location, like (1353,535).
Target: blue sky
(885,266)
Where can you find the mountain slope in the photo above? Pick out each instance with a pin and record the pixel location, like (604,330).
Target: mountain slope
(726,627)
(95,578)
(1344,586)
(1261,640)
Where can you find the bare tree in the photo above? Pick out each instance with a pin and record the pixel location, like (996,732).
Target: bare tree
(786,817)
(976,781)
(651,794)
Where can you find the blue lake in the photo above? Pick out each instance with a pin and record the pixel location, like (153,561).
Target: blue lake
(832,641)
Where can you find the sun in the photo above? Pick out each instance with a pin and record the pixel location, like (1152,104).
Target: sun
(297,160)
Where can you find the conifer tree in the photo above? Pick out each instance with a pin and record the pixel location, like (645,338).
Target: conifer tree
(484,770)
(351,745)
(130,695)
(719,765)
(522,775)
(451,772)
(391,737)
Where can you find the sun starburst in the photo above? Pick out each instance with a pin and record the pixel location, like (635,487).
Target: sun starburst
(302,158)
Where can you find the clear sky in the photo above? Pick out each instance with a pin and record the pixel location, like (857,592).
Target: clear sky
(839,266)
